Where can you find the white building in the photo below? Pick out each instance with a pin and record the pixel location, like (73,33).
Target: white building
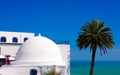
(45,55)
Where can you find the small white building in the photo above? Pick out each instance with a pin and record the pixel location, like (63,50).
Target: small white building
(11,41)
(37,52)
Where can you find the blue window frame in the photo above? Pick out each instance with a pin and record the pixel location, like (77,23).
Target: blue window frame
(3,39)
(25,39)
(15,40)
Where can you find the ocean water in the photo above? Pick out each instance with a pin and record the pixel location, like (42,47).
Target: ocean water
(101,68)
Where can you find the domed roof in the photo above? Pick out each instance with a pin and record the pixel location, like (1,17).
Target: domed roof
(39,51)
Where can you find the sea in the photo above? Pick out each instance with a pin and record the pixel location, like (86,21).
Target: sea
(100,68)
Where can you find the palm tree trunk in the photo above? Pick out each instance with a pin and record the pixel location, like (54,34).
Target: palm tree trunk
(92,62)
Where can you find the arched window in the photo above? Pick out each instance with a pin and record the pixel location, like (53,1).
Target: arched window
(3,39)
(15,40)
(25,39)
(33,72)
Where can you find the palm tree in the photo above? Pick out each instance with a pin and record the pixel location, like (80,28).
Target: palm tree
(95,36)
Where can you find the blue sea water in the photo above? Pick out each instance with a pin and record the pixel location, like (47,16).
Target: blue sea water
(101,68)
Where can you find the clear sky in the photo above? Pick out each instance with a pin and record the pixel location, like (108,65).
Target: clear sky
(61,20)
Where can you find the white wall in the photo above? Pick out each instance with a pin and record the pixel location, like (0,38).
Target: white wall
(19,35)
(0,70)
(9,49)
(14,70)
(65,51)
(25,70)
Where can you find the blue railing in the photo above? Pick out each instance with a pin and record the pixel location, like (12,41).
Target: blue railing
(61,41)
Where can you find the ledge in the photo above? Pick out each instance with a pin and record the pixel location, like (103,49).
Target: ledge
(10,43)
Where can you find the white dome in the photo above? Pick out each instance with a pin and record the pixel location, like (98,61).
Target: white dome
(39,51)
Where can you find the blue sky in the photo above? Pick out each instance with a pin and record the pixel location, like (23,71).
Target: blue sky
(61,20)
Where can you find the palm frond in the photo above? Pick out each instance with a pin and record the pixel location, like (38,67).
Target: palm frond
(95,35)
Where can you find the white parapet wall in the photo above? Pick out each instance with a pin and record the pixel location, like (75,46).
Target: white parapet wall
(65,51)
